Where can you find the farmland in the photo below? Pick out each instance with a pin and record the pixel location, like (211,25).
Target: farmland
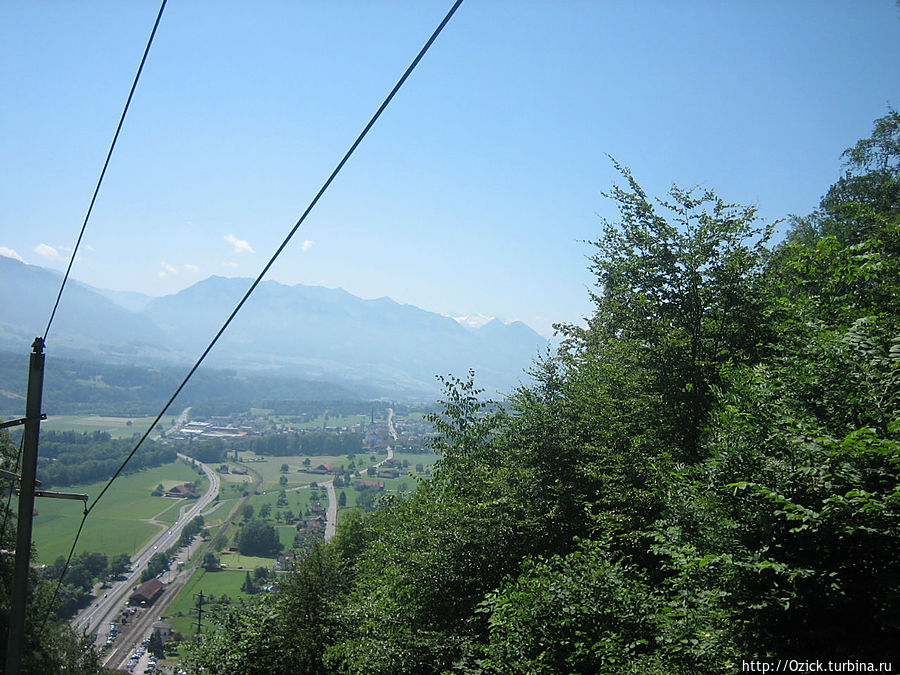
(117,427)
(120,522)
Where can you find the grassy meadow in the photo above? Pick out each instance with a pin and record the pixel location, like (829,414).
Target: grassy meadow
(118,523)
(179,613)
(117,427)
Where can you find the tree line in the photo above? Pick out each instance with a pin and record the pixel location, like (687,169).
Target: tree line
(69,457)
(705,473)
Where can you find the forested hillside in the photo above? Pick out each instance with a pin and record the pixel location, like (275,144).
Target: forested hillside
(705,473)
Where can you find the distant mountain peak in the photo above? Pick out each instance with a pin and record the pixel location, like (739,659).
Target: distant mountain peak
(473,320)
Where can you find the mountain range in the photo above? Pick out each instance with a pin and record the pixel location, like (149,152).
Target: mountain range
(304,331)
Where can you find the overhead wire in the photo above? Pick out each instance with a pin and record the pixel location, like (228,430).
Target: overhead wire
(261,274)
(112,147)
(84,223)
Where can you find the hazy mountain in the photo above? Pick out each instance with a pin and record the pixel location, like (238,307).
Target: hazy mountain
(299,331)
(87,325)
(130,300)
(318,331)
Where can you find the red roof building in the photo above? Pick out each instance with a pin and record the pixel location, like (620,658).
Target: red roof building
(146,593)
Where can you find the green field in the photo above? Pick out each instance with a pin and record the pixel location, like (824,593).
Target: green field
(270,468)
(215,584)
(293,422)
(117,427)
(118,523)
(235,561)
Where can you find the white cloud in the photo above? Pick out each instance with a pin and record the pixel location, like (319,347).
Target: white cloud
(306,245)
(231,264)
(47,251)
(10,253)
(188,267)
(240,245)
(166,270)
(68,249)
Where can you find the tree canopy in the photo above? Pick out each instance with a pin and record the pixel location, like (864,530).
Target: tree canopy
(706,472)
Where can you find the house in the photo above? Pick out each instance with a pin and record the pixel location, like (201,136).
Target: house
(146,593)
(369,484)
(323,468)
(312,524)
(164,631)
(240,470)
(185,491)
(388,473)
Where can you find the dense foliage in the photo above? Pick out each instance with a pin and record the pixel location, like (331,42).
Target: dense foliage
(69,457)
(708,472)
(259,538)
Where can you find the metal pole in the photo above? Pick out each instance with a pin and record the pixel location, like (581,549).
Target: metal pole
(200,613)
(16,640)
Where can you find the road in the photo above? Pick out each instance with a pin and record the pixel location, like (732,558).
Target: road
(108,605)
(179,422)
(142,624)
(393,432)
(331,513)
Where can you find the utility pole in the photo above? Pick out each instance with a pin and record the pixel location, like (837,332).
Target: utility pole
(16,640)
(199,612)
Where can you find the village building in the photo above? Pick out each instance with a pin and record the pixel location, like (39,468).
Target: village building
(324,468)
(183,492)
(164,631)
(146,593)
(369,484)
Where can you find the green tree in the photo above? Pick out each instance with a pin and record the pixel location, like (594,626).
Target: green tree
(678,283)
(258,538)
(211,562)
(285,632)
(156,646)
(119,564)
(247,512)
(249,586)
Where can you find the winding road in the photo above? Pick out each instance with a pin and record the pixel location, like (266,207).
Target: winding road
(93,616)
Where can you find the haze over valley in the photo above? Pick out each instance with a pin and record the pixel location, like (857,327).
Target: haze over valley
(378,347)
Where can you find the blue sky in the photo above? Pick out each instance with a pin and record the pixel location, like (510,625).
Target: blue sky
(475,192)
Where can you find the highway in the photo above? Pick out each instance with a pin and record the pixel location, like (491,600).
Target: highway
(107,606)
